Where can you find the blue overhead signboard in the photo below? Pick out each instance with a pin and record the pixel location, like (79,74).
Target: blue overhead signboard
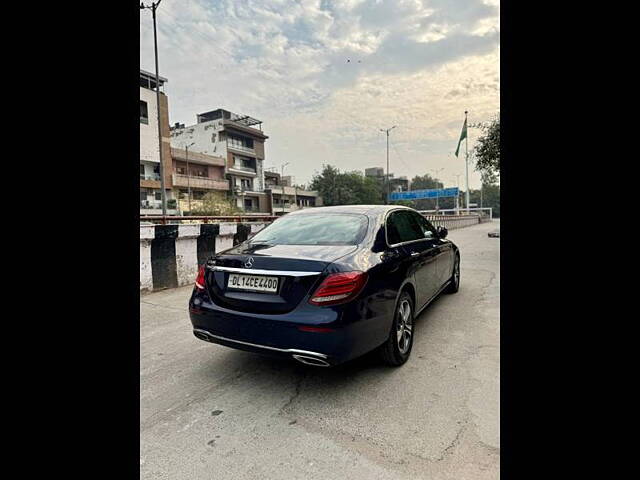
(417,194)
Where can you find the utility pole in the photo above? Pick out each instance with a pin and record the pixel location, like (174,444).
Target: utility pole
(388,182)
(163,193)
(186,151)
(466,149)
(281,180)
(435,174)
(458,195)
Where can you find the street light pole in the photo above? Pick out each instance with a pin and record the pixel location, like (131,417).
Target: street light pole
(388,182)
(435,173)
(458,195)
(282,186)
(466,149)
(163,193)
(186,151)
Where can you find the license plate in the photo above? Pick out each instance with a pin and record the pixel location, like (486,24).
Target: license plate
(255,283)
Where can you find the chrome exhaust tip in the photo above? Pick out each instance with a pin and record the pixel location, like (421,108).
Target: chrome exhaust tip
(201,334)
(316,362)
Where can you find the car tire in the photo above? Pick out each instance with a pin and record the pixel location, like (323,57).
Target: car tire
(454,281)
(397,349)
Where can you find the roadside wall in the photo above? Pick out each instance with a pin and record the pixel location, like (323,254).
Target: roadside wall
(170,254)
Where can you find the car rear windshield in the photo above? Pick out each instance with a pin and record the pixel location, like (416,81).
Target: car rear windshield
(314,229)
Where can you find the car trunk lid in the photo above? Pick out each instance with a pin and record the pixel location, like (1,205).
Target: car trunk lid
(297,269)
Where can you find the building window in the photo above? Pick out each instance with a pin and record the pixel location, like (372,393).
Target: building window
(181,170)
(244,163)
(158,195)
(245,184)
(240,142)
(141,171)
(144,112)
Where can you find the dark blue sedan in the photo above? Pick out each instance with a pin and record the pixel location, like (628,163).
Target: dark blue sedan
(325,285)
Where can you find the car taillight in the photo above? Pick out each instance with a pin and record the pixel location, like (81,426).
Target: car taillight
(200,278)
(338,288)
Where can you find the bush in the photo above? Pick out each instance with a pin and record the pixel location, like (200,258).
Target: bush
(216,204)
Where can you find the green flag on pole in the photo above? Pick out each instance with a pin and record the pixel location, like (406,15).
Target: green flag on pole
(463,135)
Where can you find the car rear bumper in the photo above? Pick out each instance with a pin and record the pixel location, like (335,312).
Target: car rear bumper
(280,335)
(304,356)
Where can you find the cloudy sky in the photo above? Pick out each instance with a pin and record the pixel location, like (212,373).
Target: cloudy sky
(325,76)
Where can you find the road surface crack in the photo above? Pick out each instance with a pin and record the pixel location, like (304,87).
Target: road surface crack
(296,393)
(454,443)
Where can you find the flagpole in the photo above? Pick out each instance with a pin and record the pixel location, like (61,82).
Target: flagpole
(466,148)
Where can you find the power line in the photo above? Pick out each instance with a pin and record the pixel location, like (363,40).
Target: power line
(400,156)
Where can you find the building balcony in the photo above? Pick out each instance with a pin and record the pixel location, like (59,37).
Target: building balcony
(196,157)
(150,181)
(241,149)
(239,170)
(199,182)
(242,128)
(151,207)
(288,207)
(253,209)
(282,190)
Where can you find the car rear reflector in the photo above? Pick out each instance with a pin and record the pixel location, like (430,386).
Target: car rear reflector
(200,278)
(338,288)
(316,329)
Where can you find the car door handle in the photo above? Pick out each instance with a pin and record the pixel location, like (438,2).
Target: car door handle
(415,254)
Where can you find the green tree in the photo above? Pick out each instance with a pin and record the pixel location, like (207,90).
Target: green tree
(490,197)
(371,192)
(487,153)
(426,182)
(345,188)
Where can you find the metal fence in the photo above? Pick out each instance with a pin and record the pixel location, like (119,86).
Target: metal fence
(483,211)
(451,222)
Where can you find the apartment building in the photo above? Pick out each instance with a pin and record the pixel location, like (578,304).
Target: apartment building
(398,184)
(194,174)
(239,141)
(150,186)
(375,172)
(285,197)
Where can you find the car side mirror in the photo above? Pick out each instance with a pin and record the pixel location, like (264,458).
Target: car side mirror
(442,232)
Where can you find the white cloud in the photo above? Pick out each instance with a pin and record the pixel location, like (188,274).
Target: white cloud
(324,76)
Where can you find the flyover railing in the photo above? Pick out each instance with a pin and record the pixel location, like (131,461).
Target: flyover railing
(175,219)
(482,211)
(451,222)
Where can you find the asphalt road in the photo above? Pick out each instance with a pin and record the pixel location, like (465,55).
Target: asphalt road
(211,412)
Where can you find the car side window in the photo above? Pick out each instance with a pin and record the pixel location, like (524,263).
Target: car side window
(427,229)
(401,227)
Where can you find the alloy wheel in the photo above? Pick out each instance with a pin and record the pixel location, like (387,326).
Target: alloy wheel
(405,326)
